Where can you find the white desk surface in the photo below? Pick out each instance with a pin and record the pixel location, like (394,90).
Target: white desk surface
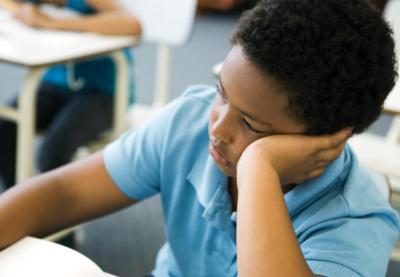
(392,14)
(20,44)
(41,258)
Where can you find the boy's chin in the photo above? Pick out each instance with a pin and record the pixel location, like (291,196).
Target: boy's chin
(227,171)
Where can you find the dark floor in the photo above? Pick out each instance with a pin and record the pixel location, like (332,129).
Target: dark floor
(126,243)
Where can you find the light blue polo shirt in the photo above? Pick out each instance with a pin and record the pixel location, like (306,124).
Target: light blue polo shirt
(343,224)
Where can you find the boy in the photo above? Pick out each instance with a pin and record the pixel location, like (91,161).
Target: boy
(230,163)
(75,100)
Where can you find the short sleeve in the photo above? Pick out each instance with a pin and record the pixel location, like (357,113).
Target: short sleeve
(80,6)
(133,160)
(350,246)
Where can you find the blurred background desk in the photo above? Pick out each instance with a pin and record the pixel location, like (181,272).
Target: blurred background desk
(37,50)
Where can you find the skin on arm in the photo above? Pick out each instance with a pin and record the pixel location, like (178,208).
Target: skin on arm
(109,19)
(9,5)
(58,199)
(264,227)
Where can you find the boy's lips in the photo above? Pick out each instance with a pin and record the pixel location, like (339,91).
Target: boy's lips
(217,156)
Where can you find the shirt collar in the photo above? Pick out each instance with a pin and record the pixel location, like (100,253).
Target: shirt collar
(206,178)
(211,187)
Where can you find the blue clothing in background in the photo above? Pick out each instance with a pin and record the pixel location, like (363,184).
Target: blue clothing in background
(343,224)
(97,74)
(74,106)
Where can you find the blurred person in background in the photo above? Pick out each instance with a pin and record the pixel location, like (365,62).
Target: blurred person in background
(75,100)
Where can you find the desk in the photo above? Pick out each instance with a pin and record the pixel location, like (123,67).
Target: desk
(36,257)
(40,49)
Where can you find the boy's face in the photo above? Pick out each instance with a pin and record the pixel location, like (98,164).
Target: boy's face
(249,106)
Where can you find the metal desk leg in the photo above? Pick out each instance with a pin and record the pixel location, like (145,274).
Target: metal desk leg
(121,98)
(163,78)
(393,135)
(141,113)
(26,124)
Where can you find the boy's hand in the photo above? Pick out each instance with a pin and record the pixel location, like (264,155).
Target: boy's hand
(295,158)
(32,16)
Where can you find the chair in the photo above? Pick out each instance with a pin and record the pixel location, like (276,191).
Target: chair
(167,23)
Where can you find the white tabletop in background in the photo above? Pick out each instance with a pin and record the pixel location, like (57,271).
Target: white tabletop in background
(20,44)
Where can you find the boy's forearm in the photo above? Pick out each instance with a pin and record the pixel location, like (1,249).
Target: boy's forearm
(267,244)
(108,23)
(10,5)
(61,198)
(32,208)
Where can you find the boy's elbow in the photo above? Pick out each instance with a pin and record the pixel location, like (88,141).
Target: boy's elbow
(137,27)
(132,25)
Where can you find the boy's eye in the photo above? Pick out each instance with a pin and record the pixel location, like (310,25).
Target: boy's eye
(244,121)
(221,94)
(251,128)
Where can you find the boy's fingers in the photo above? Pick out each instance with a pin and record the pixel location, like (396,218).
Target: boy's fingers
(321,163)
(331,141)
(315,173)
(331,154)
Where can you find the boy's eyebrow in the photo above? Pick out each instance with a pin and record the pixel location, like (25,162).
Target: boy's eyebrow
(249,115)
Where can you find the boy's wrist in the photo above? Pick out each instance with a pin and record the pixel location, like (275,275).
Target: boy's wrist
(256,155)
(252,164)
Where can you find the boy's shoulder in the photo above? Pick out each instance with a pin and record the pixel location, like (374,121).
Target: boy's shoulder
(364,192)
(360,191)
(346,189)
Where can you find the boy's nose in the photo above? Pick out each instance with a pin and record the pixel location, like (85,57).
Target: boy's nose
(221,131)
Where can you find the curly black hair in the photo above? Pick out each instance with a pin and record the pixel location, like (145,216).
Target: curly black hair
(334,59)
